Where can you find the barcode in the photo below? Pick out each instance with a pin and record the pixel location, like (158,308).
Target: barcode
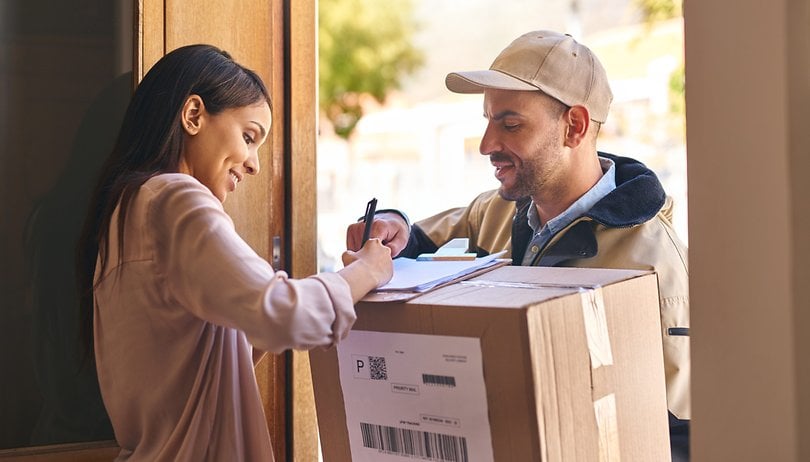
(414,443)
(377,369)
(429,379)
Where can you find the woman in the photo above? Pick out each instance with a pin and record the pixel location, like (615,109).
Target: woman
(174,298)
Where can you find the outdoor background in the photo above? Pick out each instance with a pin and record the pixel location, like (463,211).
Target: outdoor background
(390,129)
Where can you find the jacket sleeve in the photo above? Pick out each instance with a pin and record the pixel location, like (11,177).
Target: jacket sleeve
(431,233)
(211,271)
(418,243)
(486,222)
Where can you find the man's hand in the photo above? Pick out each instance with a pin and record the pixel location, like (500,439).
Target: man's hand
(390,228)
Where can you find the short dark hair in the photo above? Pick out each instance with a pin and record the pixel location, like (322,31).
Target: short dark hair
(150,142)
(558,108)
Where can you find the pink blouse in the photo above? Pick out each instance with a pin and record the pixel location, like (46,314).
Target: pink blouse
(175,319)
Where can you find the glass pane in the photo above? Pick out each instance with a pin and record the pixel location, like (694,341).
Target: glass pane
(66,76)
(417,149)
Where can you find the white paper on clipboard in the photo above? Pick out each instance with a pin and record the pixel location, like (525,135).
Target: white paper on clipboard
(414,397)
(413,275)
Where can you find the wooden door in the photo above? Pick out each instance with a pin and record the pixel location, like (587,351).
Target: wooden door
(275,211)
(252,32)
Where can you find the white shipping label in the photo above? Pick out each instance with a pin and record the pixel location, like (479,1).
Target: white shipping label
(414,397)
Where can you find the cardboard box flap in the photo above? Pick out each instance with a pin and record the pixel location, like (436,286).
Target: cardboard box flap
(560,277)
(502,287)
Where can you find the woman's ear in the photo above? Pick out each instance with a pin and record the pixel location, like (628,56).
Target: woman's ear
(577,121)
(191,115)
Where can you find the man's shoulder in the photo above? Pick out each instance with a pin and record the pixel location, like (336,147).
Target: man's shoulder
(490,204)
(487,197)
(652,244)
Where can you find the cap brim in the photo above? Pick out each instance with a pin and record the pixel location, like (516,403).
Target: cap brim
(478,81)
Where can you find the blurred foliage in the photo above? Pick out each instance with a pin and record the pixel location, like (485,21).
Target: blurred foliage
(659,10)
(677,90)
(364,49)
(654,11)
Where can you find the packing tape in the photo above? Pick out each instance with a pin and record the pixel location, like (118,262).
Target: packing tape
(605,411)
(596,329)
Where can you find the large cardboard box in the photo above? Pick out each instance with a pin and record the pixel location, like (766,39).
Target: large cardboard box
(517,364)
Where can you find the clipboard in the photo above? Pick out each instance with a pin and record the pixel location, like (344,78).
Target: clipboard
(406,295)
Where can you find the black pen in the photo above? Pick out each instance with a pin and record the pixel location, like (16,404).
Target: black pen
(371,207)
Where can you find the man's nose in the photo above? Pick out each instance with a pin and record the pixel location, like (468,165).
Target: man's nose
(489,142)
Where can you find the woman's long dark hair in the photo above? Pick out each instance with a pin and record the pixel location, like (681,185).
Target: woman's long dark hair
(150,142)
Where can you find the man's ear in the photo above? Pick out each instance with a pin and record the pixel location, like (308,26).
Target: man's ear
(191,115)
(577,121)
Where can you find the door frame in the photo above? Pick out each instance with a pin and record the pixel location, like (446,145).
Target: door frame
(284,380)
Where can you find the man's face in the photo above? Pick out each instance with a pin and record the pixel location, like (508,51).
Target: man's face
(524,142)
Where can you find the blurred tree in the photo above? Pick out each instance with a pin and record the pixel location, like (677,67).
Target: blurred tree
(654,11)
(677,90)
(364,48)
(659,10)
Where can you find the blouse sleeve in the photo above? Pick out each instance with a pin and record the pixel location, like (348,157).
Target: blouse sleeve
(212,272)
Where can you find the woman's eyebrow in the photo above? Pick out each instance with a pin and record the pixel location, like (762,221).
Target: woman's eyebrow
(261,128)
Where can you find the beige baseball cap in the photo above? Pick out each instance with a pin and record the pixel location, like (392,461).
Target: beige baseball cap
(548,61)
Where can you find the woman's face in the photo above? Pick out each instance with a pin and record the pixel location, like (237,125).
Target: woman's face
(220,150)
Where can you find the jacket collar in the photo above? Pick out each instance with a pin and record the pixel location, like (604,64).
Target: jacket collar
(637,198)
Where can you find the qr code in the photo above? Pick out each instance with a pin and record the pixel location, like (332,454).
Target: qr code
(377,369)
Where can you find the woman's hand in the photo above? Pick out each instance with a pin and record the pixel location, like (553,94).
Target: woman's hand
(367,268)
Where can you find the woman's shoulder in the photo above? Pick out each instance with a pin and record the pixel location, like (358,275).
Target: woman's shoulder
(175,183)
(172,181)
(171,190)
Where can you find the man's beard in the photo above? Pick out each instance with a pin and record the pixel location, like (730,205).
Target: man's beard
(534,172)
(530,176)
(525,184)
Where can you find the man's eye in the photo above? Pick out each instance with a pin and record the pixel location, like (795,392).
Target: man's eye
(511,127)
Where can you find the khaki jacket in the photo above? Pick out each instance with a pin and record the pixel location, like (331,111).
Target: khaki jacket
(630,228)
